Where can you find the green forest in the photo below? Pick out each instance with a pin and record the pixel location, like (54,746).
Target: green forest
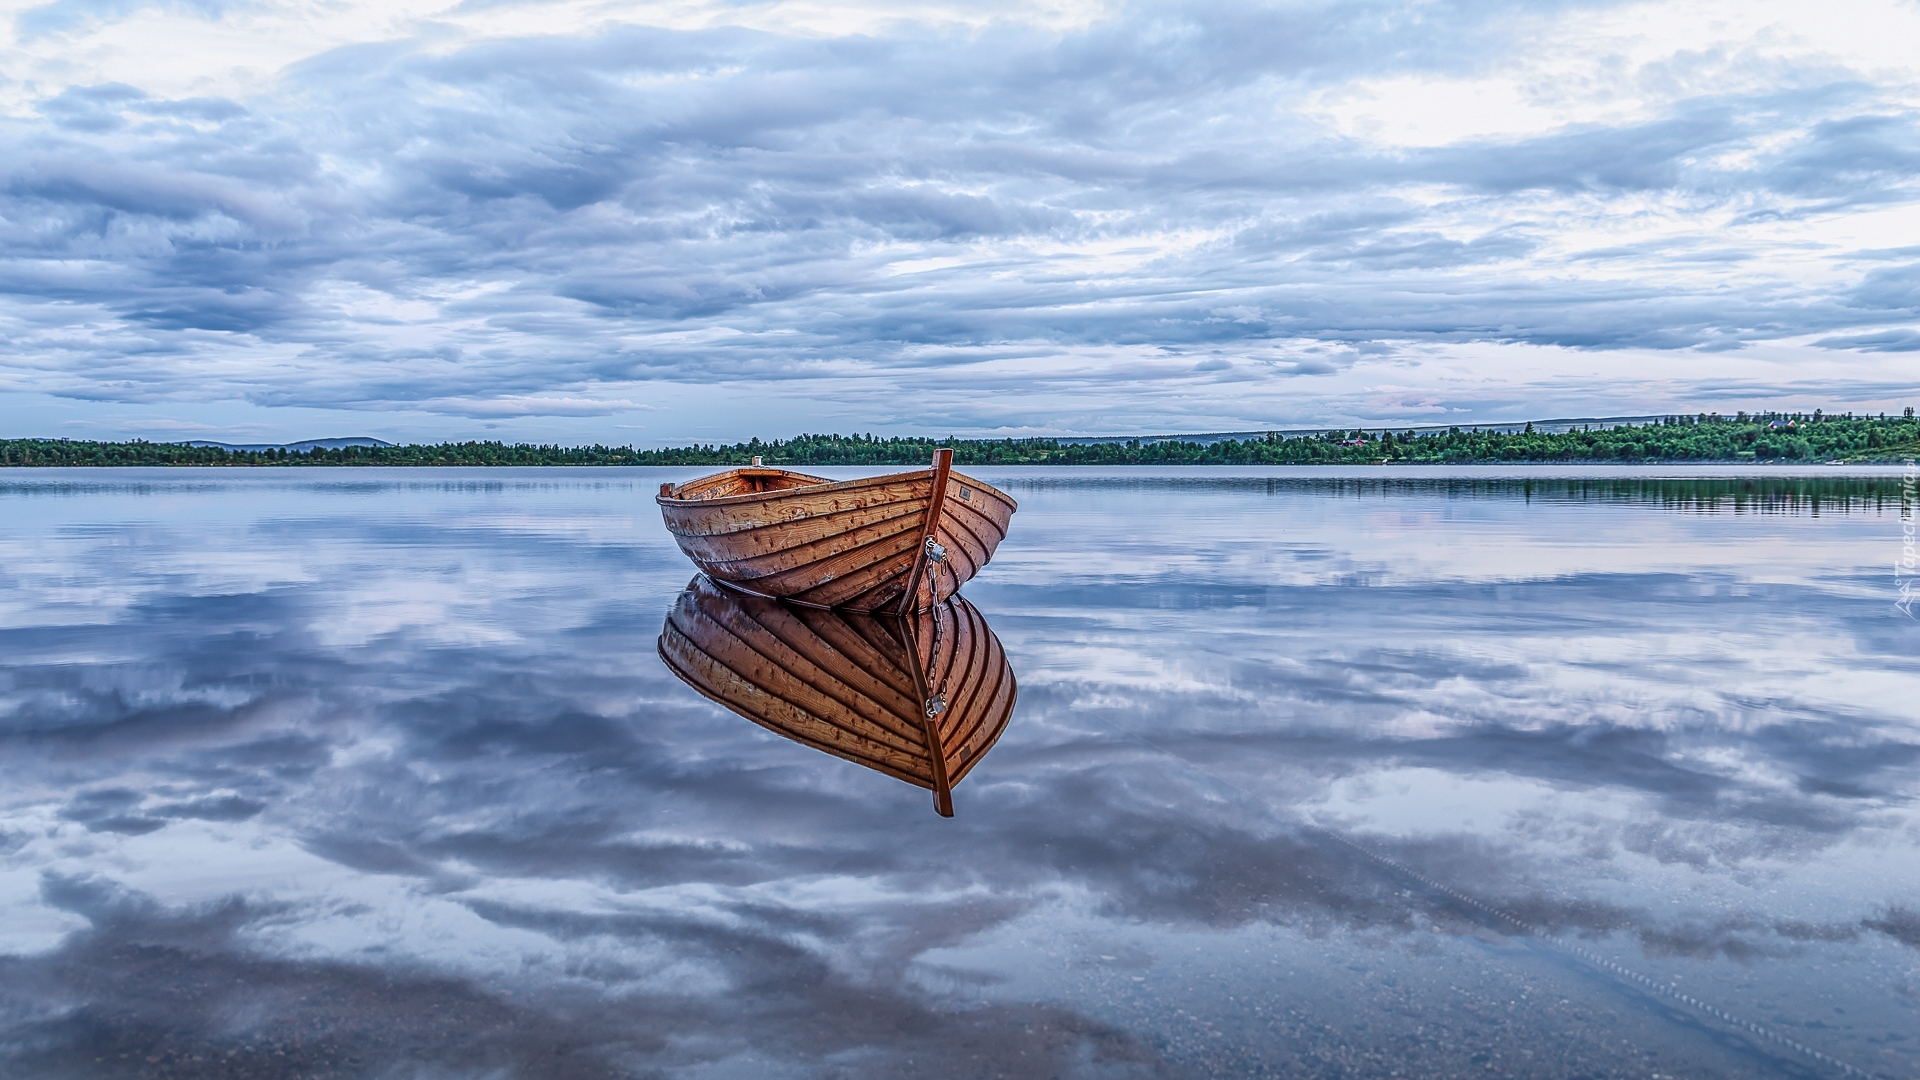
(1776,437)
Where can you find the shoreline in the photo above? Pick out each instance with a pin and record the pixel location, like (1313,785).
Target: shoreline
(1678,470)
(1762,441)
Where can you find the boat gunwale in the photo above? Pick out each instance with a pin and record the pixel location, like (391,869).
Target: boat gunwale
(734,586)
(825,485)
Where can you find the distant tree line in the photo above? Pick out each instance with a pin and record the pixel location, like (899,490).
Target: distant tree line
(1815,436)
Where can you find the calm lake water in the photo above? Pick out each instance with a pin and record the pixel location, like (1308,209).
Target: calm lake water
(1358,773)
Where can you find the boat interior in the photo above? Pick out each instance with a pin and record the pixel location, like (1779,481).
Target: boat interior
(748,481)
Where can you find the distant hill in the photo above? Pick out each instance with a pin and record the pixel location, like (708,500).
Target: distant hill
(296,447)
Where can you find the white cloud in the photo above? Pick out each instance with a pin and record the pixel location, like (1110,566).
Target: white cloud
(545,214)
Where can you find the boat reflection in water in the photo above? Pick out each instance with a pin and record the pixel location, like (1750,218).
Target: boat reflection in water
(920,697)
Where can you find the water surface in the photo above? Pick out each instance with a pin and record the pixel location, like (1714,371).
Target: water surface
(1328,772)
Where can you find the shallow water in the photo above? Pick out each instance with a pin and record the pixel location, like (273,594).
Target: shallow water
(1313,773)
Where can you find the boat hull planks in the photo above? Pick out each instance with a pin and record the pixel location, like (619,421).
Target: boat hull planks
(851,684)
(854,544)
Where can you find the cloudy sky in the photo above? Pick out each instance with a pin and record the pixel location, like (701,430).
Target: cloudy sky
(649,222)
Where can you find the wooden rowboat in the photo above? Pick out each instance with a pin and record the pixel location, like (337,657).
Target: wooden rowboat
(861,545)
(920,697)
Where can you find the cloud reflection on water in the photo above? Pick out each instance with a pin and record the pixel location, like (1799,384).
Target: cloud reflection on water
(520,843)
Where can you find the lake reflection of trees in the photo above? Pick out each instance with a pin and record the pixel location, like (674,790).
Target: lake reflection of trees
(1741,494)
